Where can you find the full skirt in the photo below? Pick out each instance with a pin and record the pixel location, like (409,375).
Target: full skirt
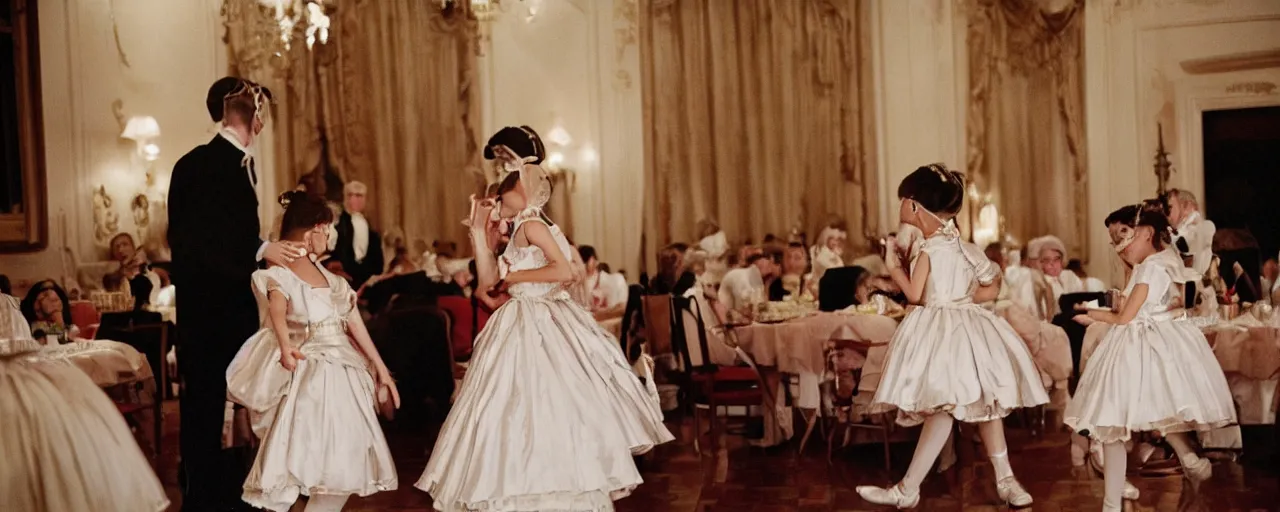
(318,425)
(1151,376)
(961,360)
(66,447)
(547,418)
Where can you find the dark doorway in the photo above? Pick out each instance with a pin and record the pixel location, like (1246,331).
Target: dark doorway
(1242,173)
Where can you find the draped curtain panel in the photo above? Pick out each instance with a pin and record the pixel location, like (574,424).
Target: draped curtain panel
(389,101)
(757,115)
(1025,118)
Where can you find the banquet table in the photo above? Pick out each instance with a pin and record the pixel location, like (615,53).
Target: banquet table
(797,347)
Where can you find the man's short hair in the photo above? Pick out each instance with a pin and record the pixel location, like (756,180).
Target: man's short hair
(355,187)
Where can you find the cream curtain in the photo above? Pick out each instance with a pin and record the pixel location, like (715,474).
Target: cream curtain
(754,116)
(389,101)
(1026,116)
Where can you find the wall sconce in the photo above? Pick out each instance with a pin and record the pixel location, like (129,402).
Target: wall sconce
(144,130)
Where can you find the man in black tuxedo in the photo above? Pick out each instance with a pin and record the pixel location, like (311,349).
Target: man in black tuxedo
(358,247)
(214,233)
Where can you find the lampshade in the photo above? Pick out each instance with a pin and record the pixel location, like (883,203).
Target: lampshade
(141,128)
(559,136)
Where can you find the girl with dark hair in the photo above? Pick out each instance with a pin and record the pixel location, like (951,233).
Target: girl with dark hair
(47,308)
(1154,370)
(950,359)
(312,380)
(550,412)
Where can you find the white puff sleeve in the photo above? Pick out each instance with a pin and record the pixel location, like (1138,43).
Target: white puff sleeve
(984,269)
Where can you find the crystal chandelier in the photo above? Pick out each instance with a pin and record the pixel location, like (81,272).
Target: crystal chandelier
(294,18)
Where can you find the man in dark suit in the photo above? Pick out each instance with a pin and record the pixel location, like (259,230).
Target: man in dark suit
(358,247)
(214,233)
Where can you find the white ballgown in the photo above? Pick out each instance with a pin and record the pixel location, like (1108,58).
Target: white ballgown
(952,355)
(1156,372)
(549,414)
(318,424)
(65,446)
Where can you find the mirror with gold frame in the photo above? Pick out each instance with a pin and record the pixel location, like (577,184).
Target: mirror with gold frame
(24,224)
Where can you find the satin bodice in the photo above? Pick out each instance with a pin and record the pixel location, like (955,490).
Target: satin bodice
(956,269)
(531,257)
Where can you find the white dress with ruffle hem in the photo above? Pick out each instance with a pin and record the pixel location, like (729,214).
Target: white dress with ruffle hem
(65,447)
(953,356)
(318,424)
(1155,373)
(549,414)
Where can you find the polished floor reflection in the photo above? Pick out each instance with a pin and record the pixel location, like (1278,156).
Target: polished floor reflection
(747,479)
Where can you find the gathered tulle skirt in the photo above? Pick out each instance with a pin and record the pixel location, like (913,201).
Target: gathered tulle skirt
(1150,376)
(547,418)
(957,359)
(318,425)
(64,446)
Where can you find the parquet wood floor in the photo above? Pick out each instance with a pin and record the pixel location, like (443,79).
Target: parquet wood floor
(748,479)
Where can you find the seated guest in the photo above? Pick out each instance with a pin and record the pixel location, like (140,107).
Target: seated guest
(744,288)
(608,291)
(670,268)
(792,283)
(841,286)
(134,275)
(745,253)
(358,247)
(828,252)
(48,311)
(715,245)
(1048,280)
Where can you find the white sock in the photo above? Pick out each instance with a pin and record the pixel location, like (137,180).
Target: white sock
(1182,446)
(1114,462)
(326,502)
(1000,464)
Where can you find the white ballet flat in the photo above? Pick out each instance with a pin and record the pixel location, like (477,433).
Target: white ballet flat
(893,496)
(1199,472)
(1130,492)
(1012,492)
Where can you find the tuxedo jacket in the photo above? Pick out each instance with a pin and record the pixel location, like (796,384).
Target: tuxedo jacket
(214,234)
(345,253)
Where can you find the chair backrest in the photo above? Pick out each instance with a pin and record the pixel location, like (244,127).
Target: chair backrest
(658,323)
(838,288)
(84,314)
(681,342)
(462,322)
(632,316)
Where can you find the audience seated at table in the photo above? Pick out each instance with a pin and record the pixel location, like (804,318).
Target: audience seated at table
(793,282)
(132,273)
(744,288)
(608,291)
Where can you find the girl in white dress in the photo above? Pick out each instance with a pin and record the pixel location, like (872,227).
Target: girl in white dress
(950,359)
(1153,371)
(550,413)
(309,379)
(65,446)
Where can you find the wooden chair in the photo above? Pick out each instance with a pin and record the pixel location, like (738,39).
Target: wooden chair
(842,380)
(152,341)
(711,386)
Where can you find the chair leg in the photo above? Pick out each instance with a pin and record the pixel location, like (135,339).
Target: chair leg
(715,427)
(812,422)
(697,429)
